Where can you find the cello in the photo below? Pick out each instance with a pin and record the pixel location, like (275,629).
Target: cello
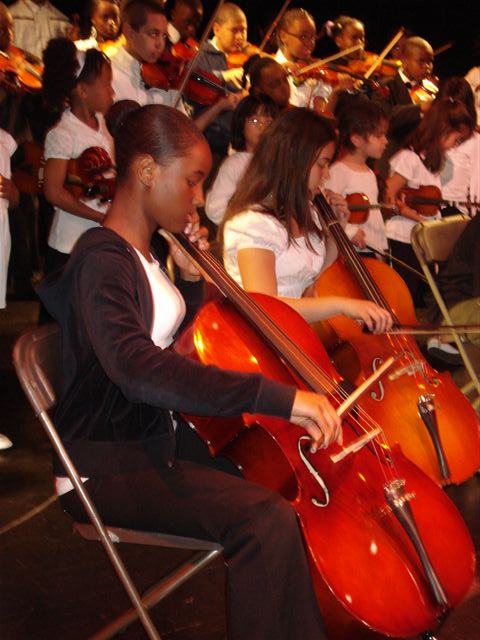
(427,414)
(363,506)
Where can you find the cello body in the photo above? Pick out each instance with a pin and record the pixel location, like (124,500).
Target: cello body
(365,569)
(393,402)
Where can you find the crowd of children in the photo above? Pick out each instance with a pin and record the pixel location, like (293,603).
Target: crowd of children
(255,158)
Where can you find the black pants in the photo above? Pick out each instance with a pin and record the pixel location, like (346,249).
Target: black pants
(270,595)
(417,287)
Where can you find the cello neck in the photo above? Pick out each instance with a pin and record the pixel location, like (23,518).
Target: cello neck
(293,356)
(350,255)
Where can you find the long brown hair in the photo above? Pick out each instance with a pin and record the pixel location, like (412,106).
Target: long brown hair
(444,116)
(276,180)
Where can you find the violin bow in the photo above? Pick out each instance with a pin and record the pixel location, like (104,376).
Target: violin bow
(189,68)
(274,24)
(324,61)
(387,254)
(444,47)
(433,330)
(384,53)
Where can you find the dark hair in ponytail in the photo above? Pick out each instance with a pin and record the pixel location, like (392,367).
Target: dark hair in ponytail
(162,132)
(61,67)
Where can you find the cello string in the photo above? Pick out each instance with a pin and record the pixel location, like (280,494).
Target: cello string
(366,282)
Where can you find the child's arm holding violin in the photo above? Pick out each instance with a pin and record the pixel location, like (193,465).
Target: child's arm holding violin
(56,192)
(394,196)
(9,191)
(228,103)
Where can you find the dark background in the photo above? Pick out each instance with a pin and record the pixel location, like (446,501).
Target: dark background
(437,21)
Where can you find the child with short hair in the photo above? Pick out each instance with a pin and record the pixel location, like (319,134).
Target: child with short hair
(362,135)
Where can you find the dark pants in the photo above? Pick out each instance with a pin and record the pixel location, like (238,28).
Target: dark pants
(269,595)
(417,287)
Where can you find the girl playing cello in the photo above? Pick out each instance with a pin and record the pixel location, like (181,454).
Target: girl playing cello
(273,242)
(119,312)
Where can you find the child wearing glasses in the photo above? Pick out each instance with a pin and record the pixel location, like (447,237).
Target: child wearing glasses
(297,37)
(250,119)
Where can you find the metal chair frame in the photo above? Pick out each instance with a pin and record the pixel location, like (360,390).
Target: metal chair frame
(433,242)
(37,357)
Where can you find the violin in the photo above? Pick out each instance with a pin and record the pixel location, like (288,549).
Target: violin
(352,501)
(387,69)
(109,47)
(90,175)
(238,58)
(167,74)
(426,92)
(184,49)
(426,200)
(20,72)
(419,408)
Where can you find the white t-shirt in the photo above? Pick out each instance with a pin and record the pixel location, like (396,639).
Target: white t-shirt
(168,303)
(302,95)
(296,266)
(461,174)
(409,165)
(345,181)
(128,84)
(66,140)
(473,79)
(7,147)
(223,188)
(36,24)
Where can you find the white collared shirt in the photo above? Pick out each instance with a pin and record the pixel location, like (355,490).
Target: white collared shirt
(302,95)
(128,84)
(35,25)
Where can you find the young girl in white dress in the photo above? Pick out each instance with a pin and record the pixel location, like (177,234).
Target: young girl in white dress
(78,85)
(250,119)
(273,242)
(362,135)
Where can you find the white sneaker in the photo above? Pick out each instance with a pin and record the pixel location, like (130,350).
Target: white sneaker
(444,351)
(5,443)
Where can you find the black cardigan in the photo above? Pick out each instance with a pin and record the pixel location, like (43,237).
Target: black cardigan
(120,387)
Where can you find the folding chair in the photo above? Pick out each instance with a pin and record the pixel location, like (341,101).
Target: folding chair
(37,357)
(433,242)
